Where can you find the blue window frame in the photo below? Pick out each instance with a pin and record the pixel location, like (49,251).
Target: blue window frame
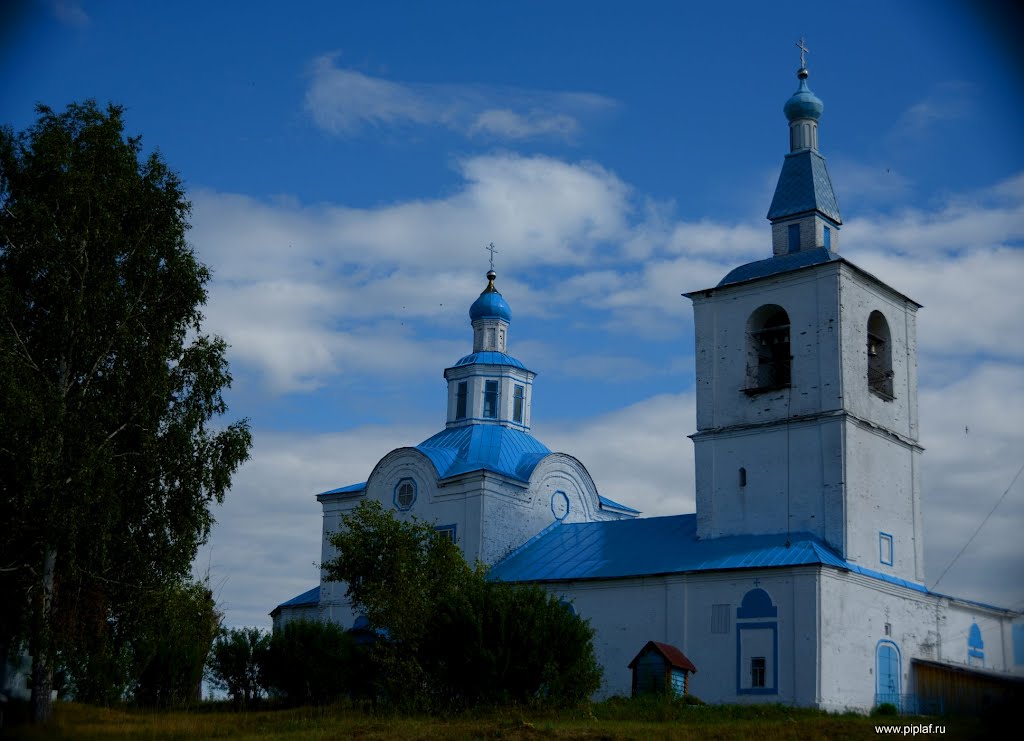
(448,531)
(828,238)
(490,399)
(885,549)
(460,401)
(518,397)
(794,237)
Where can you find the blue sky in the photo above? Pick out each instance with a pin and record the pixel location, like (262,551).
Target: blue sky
(348,163)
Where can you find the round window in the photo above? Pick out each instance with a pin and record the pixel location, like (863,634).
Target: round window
(559,505)
(405,493)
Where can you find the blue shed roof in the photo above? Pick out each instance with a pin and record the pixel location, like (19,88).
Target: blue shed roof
(602,550)
(779,264)
(312,597)
(804,186)
(350,489)
(490,357)
(476,447)
(606,502)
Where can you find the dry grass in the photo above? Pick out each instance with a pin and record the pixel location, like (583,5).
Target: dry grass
(622,720)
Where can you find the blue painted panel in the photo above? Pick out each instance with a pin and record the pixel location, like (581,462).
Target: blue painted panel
(678,682)
(756,604)
(888,671)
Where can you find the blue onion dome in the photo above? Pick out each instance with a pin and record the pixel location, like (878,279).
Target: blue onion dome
(490,305)
(803,103)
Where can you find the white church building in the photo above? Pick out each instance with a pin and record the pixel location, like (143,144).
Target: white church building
(800,578)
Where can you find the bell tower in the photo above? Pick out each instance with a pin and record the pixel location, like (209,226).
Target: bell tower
(806,383)
(489,386)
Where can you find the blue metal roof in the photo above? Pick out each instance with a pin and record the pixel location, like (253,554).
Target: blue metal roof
(804,186)
(490,305)
(803,103)
(350,489)
(612,503)
(603,550)
(312,597)
(490,447)
(779,264)
(489,357)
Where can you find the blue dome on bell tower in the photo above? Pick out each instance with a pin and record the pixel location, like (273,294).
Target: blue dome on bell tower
(803,103)
(490,304)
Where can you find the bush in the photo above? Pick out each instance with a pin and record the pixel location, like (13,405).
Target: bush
(454,637)
(311,663)
(499,643)
(886,708)
(233,665)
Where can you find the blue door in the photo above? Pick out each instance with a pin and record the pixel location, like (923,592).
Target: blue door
(888,674)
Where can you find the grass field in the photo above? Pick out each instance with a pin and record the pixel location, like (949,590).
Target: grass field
(608,720)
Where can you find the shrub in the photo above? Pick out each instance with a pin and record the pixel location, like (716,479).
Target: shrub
(310,662)
(233,665)
(454,637)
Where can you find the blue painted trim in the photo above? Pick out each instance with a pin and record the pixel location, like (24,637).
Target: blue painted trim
(882,538)
(415,493)
(899,667)
(565,498)
(774,689)
(494,420)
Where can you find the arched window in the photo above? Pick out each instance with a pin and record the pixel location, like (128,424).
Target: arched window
(879,349)
(768,349)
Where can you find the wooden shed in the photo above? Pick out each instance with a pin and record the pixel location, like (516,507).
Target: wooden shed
(661,668)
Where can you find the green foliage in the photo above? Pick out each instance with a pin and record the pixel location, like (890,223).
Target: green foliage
(108,462)
(885,709)
(310,663)
(154,656)
(455,638)
(496,643)
(171,648)
(234,663)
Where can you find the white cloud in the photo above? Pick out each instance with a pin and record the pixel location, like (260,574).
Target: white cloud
(345,101)
(305,292)
(298,288)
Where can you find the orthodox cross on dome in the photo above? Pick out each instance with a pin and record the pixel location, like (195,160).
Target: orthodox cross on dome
(491,248)
(803,51)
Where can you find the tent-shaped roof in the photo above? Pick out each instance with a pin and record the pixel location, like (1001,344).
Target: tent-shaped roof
(676,658)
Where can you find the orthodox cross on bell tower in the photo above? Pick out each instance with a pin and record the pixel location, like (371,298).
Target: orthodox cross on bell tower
(803,51)
(492,249)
